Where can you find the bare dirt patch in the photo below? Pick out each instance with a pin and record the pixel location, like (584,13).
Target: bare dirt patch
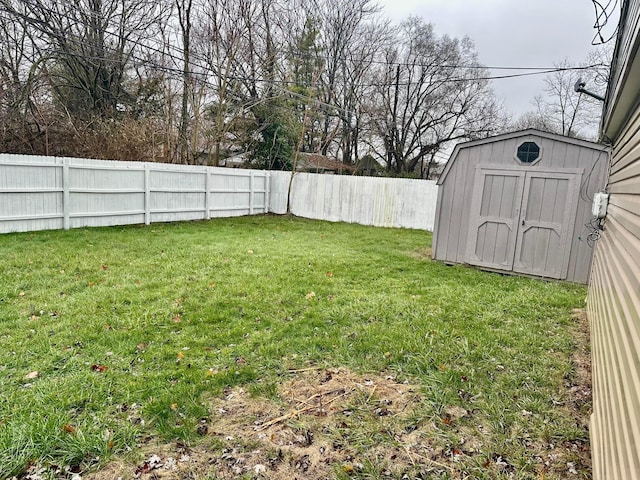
(580,383)
(318,426)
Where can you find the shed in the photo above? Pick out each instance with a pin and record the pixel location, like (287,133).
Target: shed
(520,202)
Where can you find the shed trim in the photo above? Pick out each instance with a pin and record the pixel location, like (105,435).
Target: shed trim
(490,166)
(517,134)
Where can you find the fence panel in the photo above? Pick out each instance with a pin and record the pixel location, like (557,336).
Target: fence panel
(31,193)
(103,193)
(39,193)
(178,193)
(237,192)
(383,202)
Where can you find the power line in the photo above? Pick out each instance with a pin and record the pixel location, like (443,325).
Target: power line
(316,84)
(530,70)
(603,15)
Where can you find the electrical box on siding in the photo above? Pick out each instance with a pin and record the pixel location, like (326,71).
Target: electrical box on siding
(600,203)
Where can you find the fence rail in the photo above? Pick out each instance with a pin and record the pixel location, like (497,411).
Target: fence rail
(41,193)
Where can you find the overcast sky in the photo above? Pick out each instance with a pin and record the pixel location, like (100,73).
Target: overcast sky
(519,33)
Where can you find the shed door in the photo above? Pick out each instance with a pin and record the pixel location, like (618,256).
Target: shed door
(547,219)
(521,221)
(495,212)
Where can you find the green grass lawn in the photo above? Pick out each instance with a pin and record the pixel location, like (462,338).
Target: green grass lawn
(132,330)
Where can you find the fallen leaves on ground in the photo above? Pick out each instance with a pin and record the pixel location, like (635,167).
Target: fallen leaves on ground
(315,426)
(295,436)
(69,429)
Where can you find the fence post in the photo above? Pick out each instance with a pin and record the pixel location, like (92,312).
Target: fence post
(251,193)
(147,194)
(65,194)
(267,195)
(207,193)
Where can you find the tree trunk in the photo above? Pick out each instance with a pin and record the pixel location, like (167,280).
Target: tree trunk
(184,17)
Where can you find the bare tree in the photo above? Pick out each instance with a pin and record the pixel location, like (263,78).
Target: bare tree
(86,47)
(355,90)
(17,85)
(351,38)
(431,92)
(560,109)
(223,75)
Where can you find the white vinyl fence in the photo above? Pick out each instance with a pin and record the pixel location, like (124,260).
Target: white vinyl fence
(40,193)
(379,201)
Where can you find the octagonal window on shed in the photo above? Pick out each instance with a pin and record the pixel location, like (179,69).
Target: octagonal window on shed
(528,152)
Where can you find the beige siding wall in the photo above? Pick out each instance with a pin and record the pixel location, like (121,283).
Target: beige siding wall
(624,52)
(614,314)
(454,202)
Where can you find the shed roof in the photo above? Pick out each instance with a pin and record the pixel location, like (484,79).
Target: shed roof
(516,134)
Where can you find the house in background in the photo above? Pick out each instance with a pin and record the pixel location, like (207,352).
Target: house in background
(613,303)
(307,162)
(318,163)
(367,166)
(236,161)
(520,203)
